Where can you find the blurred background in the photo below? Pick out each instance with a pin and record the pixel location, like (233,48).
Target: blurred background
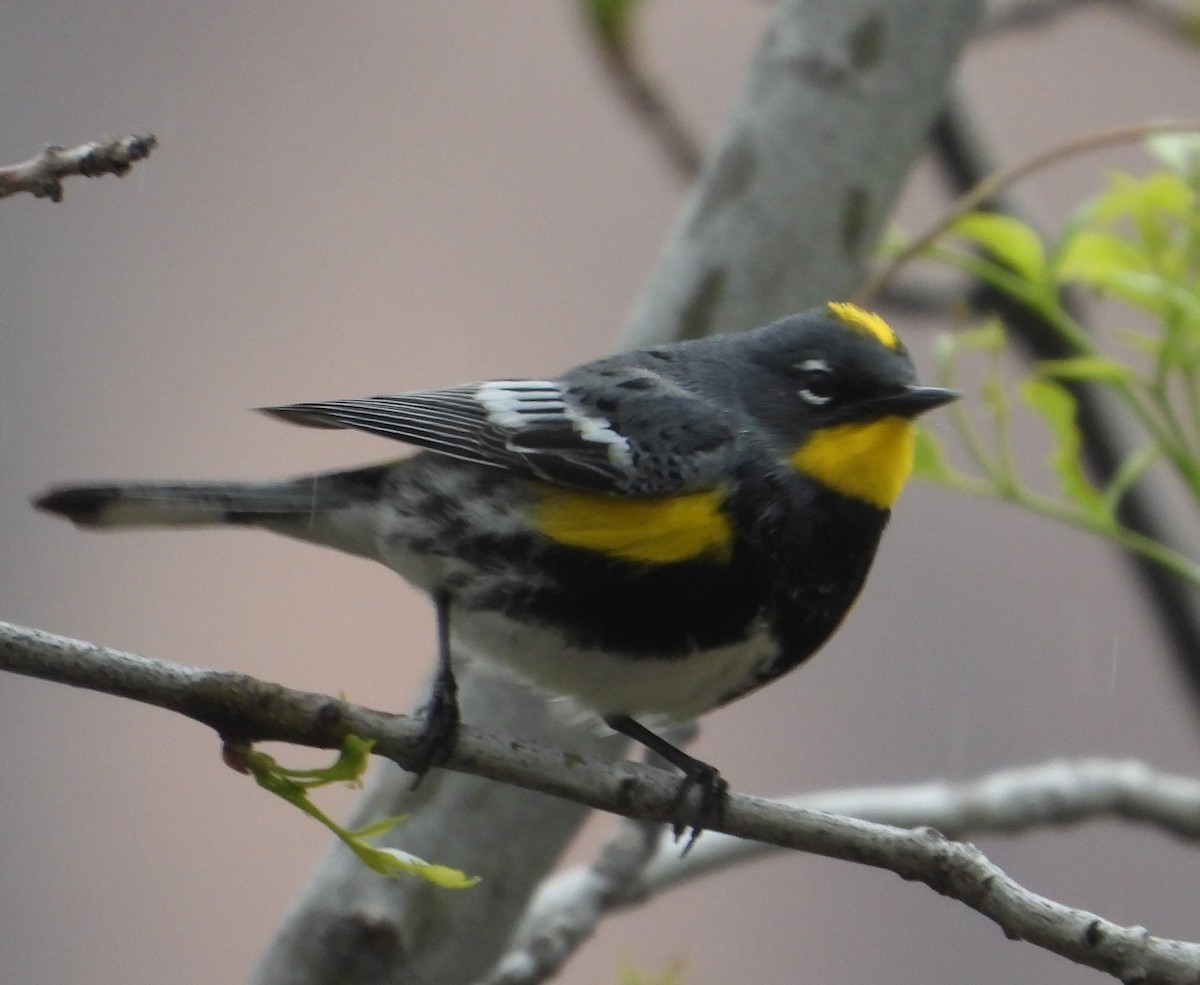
(377,196)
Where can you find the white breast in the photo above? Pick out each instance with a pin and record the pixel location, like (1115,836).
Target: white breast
(679,688)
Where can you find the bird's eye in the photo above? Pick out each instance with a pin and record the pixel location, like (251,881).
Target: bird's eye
(817,384)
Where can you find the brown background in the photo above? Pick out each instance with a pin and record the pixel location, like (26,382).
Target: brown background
(362,197)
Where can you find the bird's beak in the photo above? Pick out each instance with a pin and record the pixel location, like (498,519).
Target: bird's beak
(915,400)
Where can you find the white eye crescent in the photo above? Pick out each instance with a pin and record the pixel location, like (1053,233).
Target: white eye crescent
(817,381)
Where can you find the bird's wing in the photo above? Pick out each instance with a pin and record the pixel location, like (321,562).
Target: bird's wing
(652,440)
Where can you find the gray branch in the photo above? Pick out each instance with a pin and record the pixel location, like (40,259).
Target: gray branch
(1006,802)
(569,907)
(1173,20)
(649,106)
(243,707)
(42,176)
(838,104)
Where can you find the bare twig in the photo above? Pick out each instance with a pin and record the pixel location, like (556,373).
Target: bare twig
(643,97)
(42,176)
(1170,19)
(1024,15)
(240,706)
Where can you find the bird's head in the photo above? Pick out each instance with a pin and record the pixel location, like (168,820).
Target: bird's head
(838,392)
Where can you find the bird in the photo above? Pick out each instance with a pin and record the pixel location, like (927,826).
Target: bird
(652,534)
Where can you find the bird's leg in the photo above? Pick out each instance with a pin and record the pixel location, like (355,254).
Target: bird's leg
(714,790)
(440,713)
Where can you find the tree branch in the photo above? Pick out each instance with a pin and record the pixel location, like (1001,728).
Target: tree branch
(964,154)
(42,176)
(790,202)
(239,706)
(570,905)
(566,911)
(643,97)
(1171,20)
(1005,802)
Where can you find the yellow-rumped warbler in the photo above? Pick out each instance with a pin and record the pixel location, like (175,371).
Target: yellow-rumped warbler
(651,534)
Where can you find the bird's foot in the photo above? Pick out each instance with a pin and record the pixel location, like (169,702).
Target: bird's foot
(714,794)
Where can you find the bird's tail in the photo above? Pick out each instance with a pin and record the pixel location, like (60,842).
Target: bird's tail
(298,507)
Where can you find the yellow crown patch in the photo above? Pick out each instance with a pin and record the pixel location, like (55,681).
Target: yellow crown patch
(864,321)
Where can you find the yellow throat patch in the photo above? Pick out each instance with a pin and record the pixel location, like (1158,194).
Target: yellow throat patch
(658,530)
(864,321)
(869,461)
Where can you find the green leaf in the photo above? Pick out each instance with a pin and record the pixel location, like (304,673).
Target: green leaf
(1117,266)
(1057,407)
(1179,151)
(1130,471)
(1160,296)
(1095,257)
(1038,296)
(382,826)
(1142,198)
(894,241)
(351,763)
(928,461)
(987,337)
(612,22)
(393,862)
(1139,342)
(1096,369)
(293,786)
(630,974)
(1010,241)
(349,767)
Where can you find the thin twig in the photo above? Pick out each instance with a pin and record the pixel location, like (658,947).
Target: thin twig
(240,706)
(987,189)
(1171,20)
(1010,802)
(1023,15)
(965,157)
(569,904)
(42,176)
(643,97)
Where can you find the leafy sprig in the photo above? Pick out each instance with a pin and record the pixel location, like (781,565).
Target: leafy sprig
(1137,244)
(293,785)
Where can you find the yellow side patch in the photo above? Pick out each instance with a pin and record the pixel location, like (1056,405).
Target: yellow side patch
(864,321)
(867,461)
(660,530)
